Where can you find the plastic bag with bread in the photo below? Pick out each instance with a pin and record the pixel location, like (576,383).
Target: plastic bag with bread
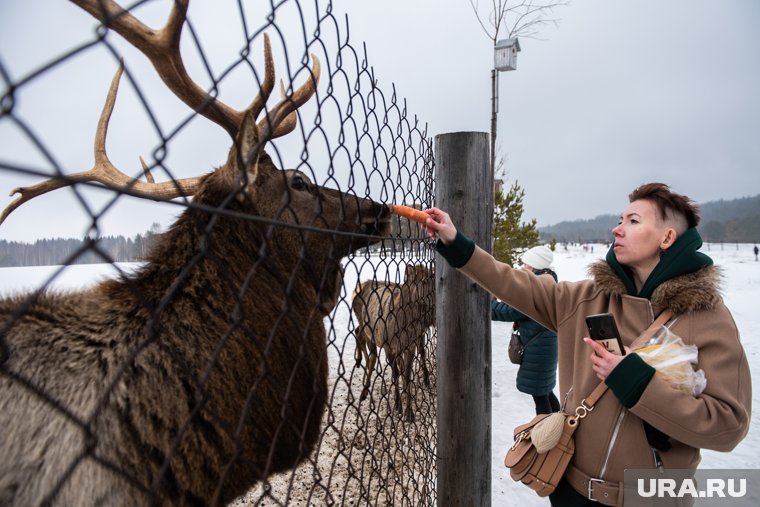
(673,359)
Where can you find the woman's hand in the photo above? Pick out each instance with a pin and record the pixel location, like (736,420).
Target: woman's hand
(440,224)
(603,361)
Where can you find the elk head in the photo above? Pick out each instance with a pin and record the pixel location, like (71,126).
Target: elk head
(259,188)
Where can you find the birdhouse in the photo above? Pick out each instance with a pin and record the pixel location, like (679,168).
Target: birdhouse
(505,54)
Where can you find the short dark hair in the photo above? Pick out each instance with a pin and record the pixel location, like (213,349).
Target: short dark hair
(669,204)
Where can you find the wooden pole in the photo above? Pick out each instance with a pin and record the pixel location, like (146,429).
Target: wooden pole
(494,113)
(463,186)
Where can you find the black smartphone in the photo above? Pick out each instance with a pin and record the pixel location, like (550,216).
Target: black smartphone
(602,328)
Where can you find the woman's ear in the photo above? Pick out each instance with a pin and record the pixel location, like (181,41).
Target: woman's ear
(668,239)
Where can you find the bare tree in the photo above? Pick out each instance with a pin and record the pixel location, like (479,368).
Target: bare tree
(512,18)
(524,18)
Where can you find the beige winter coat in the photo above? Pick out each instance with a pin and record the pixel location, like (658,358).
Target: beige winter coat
(612,438)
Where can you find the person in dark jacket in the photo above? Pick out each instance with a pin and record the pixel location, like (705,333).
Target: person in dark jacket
(537,374)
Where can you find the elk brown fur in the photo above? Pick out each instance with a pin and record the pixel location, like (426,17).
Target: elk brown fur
(203,372)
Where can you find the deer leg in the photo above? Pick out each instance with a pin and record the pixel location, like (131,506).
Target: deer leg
(409,359)
(423,360)
(371,360)
(395,369)
(359,351)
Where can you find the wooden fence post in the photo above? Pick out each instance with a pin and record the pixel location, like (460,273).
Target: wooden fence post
(463,321)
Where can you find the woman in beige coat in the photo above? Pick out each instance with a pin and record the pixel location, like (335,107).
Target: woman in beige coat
(644,422)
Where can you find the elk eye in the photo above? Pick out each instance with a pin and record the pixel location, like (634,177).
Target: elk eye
(298,183)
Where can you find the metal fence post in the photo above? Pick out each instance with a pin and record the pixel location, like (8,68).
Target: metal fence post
(463,187)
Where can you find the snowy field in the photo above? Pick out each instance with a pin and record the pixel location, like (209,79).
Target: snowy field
(741,286)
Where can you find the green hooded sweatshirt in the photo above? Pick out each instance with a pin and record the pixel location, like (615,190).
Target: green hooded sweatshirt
(679,259)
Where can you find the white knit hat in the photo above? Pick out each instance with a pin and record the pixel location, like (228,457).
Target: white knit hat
(538,257)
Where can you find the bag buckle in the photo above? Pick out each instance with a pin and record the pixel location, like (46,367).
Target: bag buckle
(591,482)
(581,411)
(523,435)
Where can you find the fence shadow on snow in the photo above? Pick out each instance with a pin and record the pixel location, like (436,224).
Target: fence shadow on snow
(222,369)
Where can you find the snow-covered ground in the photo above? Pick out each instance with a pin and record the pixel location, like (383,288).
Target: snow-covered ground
(741,286)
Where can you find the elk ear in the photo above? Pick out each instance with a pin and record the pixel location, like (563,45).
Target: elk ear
(244,155)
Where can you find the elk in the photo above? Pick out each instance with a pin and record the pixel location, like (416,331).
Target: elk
(205,371)
(394,317)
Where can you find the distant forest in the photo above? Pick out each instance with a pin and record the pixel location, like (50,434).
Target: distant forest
(734,221)
(49,252)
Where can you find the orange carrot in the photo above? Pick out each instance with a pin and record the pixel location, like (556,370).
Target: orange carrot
(410,213)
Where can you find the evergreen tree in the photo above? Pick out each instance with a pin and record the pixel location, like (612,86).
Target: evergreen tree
(511,237)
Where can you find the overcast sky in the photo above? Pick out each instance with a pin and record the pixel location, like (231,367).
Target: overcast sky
(620,93)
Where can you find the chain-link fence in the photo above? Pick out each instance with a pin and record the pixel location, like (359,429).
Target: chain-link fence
(276,344)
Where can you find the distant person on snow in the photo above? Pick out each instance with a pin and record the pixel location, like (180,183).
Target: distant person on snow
(537,374)
(642,422)
(756,252)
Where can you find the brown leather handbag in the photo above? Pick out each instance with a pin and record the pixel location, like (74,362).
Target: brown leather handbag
(542,471)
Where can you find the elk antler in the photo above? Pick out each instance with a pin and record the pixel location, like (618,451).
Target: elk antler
(281,119)
(162,49)
(104,171)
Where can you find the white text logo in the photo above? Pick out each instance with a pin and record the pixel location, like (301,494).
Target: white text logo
(671,488)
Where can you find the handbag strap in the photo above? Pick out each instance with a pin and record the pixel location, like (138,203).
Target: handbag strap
(661,320)
(587,405)
(516,327)
(525,344)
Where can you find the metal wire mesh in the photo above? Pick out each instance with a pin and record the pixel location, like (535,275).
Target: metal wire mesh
(222,367)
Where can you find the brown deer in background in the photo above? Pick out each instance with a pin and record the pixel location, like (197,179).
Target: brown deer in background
(205,371)
(395,317)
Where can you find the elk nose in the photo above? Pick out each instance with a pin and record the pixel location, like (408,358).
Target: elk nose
(381,223)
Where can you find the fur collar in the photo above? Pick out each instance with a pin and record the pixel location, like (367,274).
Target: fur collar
(689,293)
